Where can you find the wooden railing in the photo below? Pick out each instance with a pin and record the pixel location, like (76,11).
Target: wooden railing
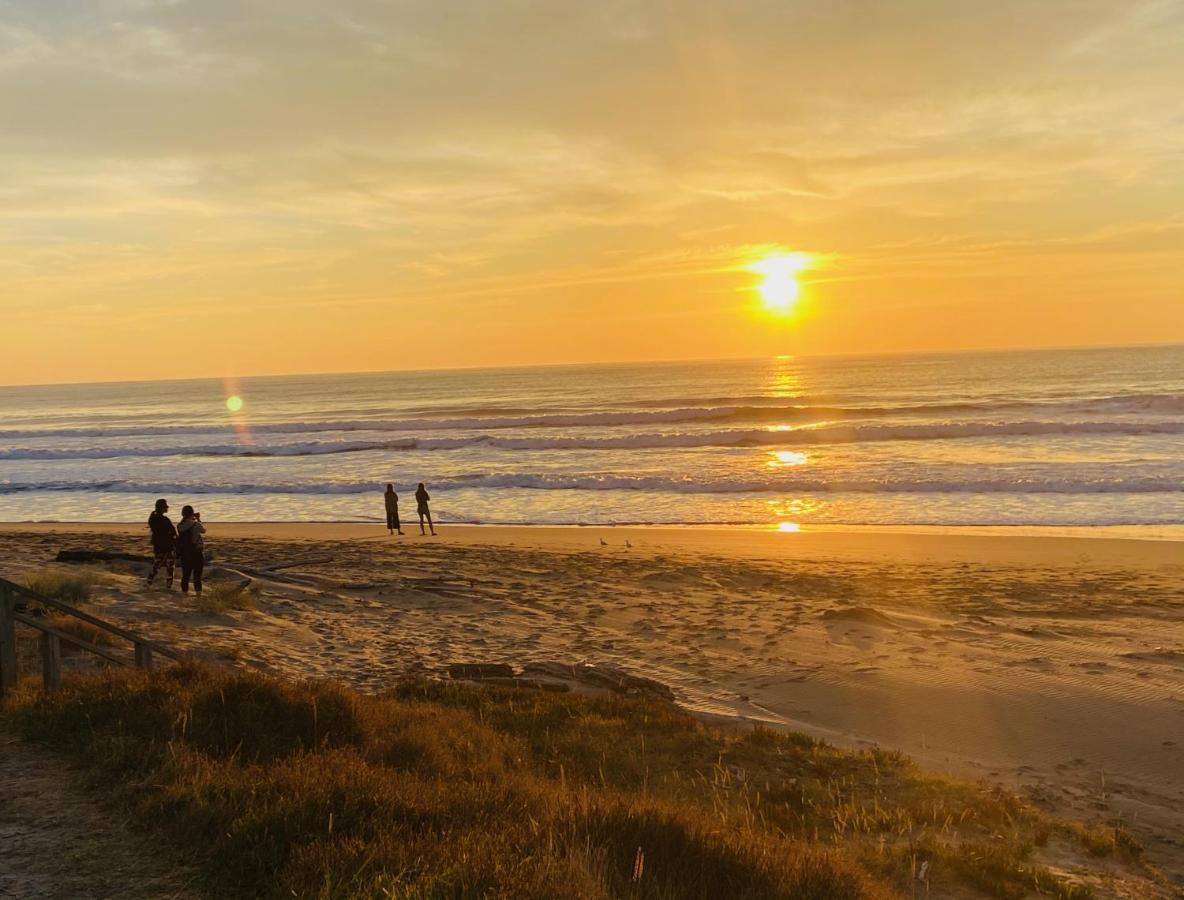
(52,639)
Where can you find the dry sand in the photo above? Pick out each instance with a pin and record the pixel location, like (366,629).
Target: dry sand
(58,844)
(1050,663)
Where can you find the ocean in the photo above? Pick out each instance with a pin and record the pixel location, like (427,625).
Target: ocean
(1039,438)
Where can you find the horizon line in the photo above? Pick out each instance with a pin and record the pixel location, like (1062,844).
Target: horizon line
(605,364)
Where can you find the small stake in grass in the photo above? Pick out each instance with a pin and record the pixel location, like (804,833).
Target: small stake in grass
(638,865)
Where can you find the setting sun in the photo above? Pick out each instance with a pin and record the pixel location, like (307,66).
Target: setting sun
(779,289)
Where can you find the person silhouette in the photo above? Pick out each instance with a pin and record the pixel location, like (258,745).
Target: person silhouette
(392,510)
(164,540)
(191,549)
(421,505)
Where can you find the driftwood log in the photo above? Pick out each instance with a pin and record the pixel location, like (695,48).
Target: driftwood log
(85,556)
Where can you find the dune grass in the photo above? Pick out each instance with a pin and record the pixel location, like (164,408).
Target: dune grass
(280,789)
(72,588)
(218,597)
(68,587)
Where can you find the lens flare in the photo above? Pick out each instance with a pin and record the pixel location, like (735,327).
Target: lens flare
(234,403)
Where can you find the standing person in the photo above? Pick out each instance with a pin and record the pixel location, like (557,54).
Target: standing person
(191,547)
(392,510)
(164,540)
(421,505)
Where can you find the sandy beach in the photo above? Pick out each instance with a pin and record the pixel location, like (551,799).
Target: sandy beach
(1055,664)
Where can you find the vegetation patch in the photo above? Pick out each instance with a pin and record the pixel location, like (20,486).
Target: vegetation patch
(221,596)
(284,789)
(67,587)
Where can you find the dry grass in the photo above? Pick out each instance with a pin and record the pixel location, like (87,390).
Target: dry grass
(74,589)
(1105,840)
(68,588)
(445,790)
(222,596)
(84,631)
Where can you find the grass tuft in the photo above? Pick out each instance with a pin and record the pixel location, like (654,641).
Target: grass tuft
(68,588)
(84,631)
(223,595)
(1106,840)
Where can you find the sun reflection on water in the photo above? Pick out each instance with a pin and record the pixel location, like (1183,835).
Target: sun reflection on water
(782,458)
(791,512)
(784,380)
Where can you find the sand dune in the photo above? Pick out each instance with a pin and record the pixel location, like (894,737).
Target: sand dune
(1055,664)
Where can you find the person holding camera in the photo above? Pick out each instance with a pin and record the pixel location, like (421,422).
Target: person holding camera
(191,549)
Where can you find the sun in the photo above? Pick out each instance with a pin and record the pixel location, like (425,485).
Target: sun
(779,289)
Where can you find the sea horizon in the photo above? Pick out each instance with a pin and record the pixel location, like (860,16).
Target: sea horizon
(509,367)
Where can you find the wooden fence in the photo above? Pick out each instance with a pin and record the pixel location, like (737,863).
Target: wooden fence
(12,595)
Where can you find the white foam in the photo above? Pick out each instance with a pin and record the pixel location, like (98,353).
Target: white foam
(791,437)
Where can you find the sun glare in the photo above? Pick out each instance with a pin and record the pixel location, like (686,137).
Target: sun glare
(787,458)
(779,289)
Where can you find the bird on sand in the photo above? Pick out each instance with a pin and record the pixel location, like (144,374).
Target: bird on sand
(603,542)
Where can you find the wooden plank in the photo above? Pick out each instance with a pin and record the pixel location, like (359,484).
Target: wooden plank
(8,672)
(87,617)
(70,639)
(51,661)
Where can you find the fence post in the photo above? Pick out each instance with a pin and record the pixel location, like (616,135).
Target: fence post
(7,639)
(143,656)
(51,661)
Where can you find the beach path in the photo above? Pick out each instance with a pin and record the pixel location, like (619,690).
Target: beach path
(57,842)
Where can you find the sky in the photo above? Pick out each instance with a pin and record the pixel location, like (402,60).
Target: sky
(239,187)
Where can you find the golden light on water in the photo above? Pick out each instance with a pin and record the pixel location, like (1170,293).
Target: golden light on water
(781,458)
(789,527)
(234,403)
(794,510)
(779,289)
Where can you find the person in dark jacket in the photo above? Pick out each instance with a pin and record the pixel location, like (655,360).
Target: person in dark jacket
(164,540)
(392,510)
(421,505)
(191,548)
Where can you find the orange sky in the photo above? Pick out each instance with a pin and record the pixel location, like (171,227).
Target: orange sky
(194,189)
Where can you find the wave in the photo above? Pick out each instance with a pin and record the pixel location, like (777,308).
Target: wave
(749,409)
(1134,402)
(794,437)
(1142,484)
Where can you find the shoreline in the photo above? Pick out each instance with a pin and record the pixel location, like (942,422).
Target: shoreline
(880,544)
(1150,532)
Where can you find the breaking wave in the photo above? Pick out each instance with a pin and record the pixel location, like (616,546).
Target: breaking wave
(803,436)
(748,409)
(1035,484)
